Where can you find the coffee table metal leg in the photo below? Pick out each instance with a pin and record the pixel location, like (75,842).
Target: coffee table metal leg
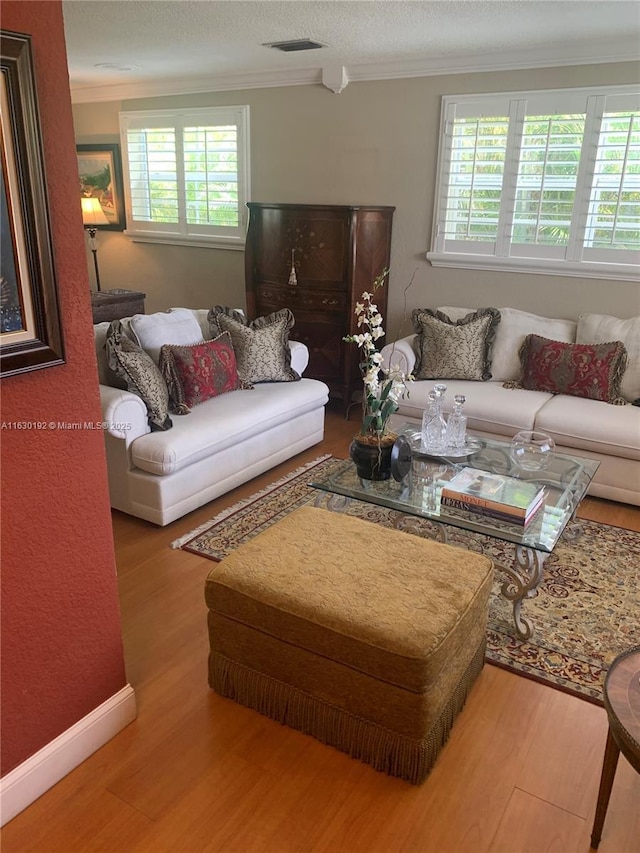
(333,502)
(524,579)
(611,754)
(411,524)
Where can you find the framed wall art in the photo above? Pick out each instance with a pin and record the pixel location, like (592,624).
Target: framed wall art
(100,170)
(30,330)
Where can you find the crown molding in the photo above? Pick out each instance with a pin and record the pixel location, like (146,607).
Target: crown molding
(547,57)
(506,61)
(195,85)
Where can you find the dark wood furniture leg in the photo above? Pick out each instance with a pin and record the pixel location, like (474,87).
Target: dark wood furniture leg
(609,765)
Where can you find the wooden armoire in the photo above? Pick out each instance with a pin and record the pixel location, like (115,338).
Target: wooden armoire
(317,260)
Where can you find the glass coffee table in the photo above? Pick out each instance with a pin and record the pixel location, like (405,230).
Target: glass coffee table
(418,496)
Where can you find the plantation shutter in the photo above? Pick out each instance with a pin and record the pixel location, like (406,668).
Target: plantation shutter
(538,179)
(211,175)
(475,150)
(613,215)
(547,179)
(186,174)
(153,174)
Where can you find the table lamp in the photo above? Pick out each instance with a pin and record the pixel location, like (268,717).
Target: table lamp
(92,216)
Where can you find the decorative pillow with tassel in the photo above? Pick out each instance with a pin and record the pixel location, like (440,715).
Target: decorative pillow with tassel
(198,372)
(593,371)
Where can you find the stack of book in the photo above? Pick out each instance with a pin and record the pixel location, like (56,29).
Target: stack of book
(493,495)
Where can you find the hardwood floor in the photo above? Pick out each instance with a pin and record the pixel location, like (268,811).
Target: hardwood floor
(196,772)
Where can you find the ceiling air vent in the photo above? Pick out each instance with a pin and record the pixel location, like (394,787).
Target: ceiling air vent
(296,44)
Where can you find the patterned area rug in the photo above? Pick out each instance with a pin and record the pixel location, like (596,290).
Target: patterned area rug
(585,612)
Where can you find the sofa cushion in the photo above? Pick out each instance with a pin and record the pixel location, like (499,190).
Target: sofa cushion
(600,328)
(513,328)
(489,406)
(198,372)
(593,371)
(141,374)
(592,426)
(454,349)
(202,316)
(224,422)
(178,327)
(262,347)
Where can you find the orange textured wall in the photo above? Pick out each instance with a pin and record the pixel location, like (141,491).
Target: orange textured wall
(61,637)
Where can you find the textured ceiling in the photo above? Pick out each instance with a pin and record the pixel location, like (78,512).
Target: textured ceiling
(180,45)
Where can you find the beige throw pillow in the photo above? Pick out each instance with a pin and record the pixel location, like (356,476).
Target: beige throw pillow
(262,347)
(454,349)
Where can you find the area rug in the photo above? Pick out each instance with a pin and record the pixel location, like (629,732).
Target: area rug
(585,612)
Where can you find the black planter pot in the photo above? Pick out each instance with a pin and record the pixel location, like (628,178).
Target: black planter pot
(372,458)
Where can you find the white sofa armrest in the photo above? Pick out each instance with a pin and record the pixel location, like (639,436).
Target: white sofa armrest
(124,413)
(299,356)
(399,356)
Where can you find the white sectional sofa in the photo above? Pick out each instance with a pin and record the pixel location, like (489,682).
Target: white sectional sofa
(583,427)
(223,442)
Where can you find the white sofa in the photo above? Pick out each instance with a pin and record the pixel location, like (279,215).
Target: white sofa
(582,427)
(222,443)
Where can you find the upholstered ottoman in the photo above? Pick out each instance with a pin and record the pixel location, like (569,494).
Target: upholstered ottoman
(365,637)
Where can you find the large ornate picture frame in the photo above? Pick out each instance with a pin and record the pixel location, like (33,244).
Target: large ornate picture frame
(30,330)
(100,170)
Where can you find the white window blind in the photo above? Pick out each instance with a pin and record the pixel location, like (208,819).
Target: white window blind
(186,175)
(614,204)
(541,181)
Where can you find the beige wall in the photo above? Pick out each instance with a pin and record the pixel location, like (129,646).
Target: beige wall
(375,143)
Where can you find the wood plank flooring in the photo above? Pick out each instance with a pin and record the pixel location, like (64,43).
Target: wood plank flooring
(196,772)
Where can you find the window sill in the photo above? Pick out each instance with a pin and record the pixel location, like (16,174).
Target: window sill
(236,244)
(536,266)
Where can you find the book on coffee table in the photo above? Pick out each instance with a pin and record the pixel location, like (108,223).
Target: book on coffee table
(494,495)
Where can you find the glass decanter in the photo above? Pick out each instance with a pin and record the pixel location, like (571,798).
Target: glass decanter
(436,427)
(456,436)
(428,414)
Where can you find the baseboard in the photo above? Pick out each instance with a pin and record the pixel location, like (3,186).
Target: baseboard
(28,781)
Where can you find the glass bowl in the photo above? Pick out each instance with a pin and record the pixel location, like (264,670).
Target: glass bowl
(531,450)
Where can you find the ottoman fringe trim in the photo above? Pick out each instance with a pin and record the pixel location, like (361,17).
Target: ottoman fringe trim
(385,750)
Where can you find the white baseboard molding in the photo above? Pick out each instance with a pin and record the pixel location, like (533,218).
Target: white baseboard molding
(28,781)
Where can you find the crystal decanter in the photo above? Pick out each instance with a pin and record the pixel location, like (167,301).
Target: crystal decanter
(456,436)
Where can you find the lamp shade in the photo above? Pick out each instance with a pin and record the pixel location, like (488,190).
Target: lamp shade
(92,213)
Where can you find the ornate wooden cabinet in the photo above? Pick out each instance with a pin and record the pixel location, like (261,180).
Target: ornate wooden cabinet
(317,260)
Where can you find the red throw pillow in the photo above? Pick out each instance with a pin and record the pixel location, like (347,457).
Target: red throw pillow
(198,372)
(593,371)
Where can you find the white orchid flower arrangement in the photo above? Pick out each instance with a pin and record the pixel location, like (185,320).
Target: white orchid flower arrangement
(382,389)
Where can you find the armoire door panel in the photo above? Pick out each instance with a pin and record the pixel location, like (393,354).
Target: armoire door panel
(337,252)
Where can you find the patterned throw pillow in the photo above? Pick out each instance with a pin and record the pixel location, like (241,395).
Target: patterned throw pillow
(454,349)
(141,375)
(195,373)
(600,328)
(593,371)
(262,348)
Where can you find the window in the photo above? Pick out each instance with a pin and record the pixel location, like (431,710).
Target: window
(186,175)
(544,182)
